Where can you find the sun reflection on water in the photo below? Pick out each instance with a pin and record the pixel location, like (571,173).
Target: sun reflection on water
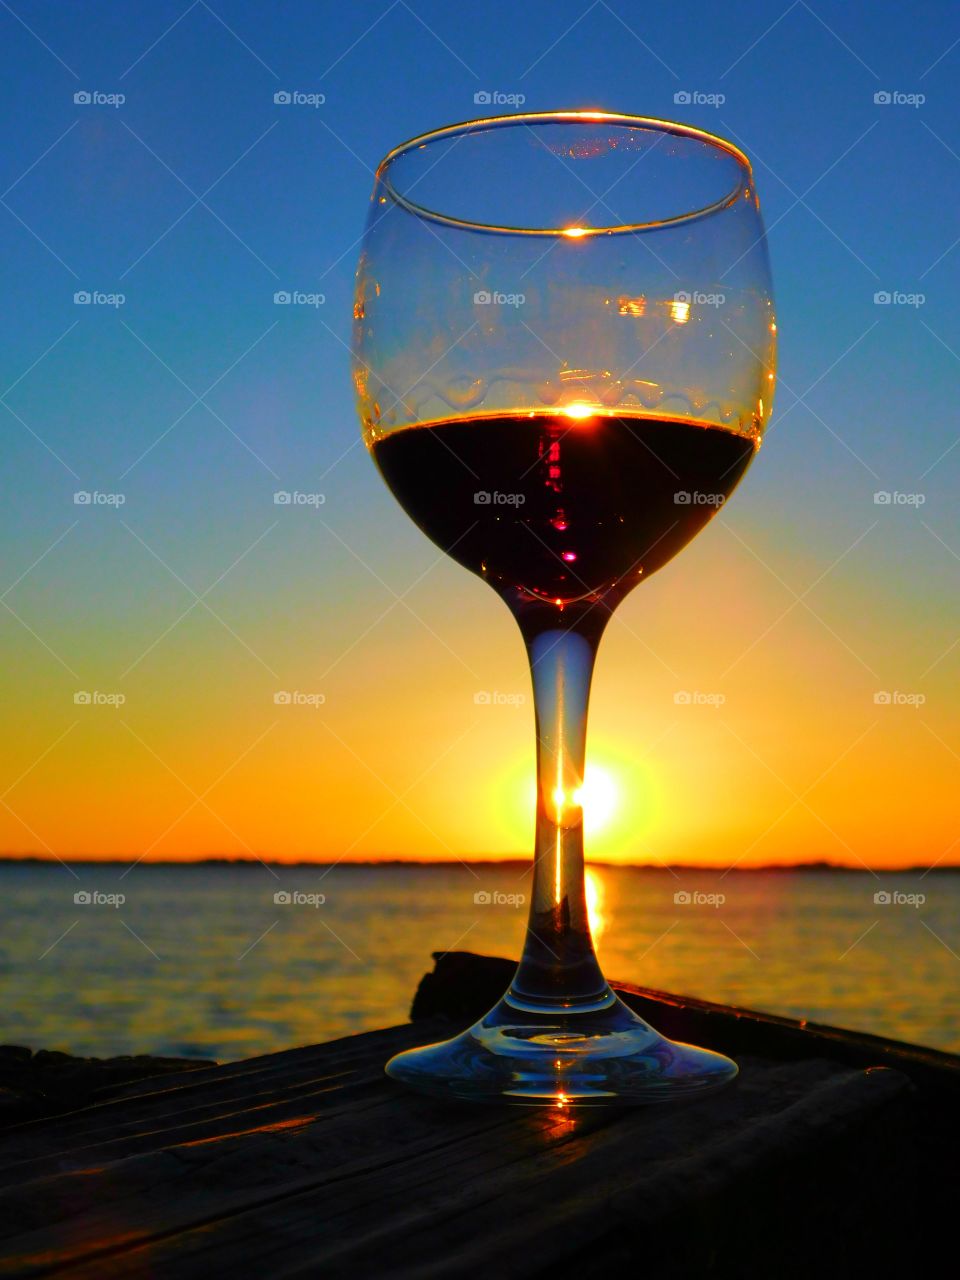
(596,903)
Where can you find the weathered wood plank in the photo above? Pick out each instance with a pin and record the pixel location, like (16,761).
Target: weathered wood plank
(49,1082)
(391,1176)
(205,1104)
(311,1162)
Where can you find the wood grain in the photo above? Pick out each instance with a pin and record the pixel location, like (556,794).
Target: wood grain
(312,1163)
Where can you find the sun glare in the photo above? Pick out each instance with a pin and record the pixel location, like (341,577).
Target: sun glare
(579,409)
(598,797)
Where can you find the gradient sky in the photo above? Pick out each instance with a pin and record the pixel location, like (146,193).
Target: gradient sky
(198,198)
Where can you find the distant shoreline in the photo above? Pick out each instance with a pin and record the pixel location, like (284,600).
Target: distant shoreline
(521,863)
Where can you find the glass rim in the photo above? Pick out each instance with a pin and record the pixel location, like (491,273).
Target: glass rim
(652,123)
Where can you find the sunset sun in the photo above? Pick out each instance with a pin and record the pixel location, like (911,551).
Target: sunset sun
(599,798)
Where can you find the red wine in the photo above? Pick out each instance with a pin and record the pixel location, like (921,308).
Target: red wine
(560,509)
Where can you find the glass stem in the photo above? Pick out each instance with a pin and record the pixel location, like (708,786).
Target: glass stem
(559,969)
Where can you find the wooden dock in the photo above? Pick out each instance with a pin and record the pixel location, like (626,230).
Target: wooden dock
(833,1153)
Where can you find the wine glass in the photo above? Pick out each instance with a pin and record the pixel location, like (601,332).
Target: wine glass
(563,349)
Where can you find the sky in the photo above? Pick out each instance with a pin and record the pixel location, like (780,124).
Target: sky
(821,626)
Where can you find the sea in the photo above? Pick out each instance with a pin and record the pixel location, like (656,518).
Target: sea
(228,960)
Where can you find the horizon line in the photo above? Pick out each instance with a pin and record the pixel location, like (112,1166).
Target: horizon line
(821,865)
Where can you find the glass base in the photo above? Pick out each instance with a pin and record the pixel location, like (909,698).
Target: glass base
(602,1054)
